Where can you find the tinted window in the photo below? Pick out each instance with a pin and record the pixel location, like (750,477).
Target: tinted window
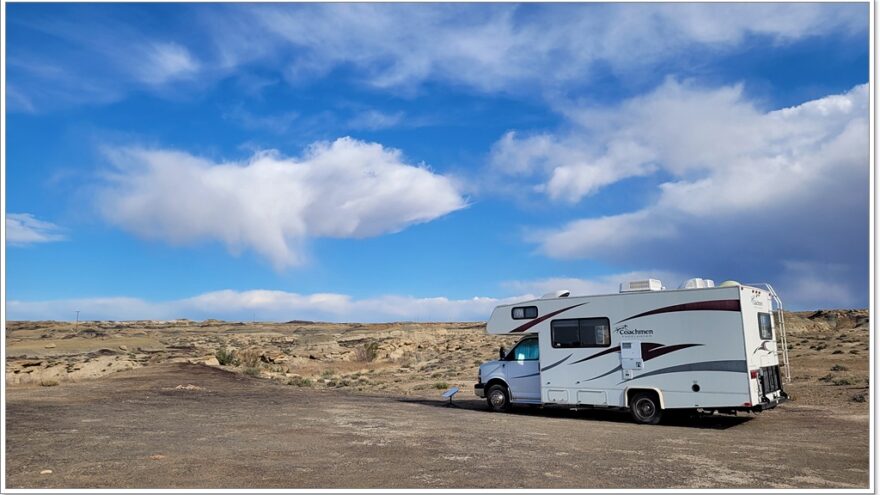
(526,350)
(582,332)
(524,313)
(565,333)
(595,332)
(765,326)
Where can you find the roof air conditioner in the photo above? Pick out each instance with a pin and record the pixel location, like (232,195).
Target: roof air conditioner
(697,283)
(651,284)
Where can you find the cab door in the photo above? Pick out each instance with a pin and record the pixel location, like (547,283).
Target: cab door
(523,369)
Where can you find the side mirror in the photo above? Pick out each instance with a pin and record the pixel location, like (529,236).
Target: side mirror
(502,352)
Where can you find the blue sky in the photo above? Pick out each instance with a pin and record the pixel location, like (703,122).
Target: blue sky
(372,162)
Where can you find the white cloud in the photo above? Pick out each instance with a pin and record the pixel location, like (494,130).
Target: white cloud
(521,49)
(164,62)
(515,48)
(273,204)
(747,186)
(276,305)
(374,120)
(727,157)
(23,229)
(573,167)
(276,123)
(266,305)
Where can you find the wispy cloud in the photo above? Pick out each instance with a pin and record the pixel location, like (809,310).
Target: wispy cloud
(164,62)
(374,120)
(521,49)
(23,229)
(276,305)
(265,304)
(747,185)
(270,203)
(277,123)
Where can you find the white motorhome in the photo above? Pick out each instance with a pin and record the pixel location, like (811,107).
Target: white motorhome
(645,348)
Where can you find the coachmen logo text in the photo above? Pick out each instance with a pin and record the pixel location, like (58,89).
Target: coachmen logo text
(626,330)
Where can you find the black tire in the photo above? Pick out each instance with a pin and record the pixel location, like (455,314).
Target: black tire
(498,398)
(645,408)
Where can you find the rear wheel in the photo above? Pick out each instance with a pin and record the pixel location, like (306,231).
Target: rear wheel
(498,398)
(645,408)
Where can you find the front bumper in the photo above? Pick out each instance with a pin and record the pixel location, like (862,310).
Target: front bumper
(479,390)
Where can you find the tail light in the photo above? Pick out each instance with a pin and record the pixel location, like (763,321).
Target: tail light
(754,374)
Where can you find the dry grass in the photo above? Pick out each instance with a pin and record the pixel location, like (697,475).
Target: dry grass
(367,352)
(249,358)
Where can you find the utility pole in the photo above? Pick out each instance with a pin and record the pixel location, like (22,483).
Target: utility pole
(77,319)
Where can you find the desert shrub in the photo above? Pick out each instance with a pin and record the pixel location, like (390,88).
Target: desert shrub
(827,378)
(843,381)
(838,351)
(441,385)
(249,358)
(367,352)
(328,373)
(48,382)
(299,381)
(252,371)
(860,397)
(225,357)
(839,367)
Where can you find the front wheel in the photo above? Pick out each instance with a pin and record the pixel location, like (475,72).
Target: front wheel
(498,398)
(645,408)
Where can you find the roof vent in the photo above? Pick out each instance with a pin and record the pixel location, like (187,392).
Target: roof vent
(697,283)
(651,284)
(555,294)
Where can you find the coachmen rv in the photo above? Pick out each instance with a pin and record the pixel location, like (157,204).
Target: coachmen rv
(646,349)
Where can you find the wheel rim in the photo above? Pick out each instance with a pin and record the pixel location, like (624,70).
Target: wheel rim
(497,398)
(645,408)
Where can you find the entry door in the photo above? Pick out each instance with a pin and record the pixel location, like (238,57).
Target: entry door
(523,370)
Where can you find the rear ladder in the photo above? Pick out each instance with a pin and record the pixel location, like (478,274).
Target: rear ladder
(776,302)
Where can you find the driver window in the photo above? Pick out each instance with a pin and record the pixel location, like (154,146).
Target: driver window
(527,350)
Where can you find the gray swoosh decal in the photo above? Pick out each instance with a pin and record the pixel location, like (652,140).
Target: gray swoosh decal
(530,324)
(526,376)
(557,363)
(604,374)
(733,365)
(607,351)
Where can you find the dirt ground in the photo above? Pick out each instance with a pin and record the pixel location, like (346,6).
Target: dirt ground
(132,405)
(182,425)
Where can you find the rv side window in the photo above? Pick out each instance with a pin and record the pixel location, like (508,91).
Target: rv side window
(765,326)
(583,332)
(565,333)
(595,332)
(524,313)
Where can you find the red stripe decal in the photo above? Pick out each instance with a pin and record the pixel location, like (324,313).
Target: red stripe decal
(720,305)
(530,324)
